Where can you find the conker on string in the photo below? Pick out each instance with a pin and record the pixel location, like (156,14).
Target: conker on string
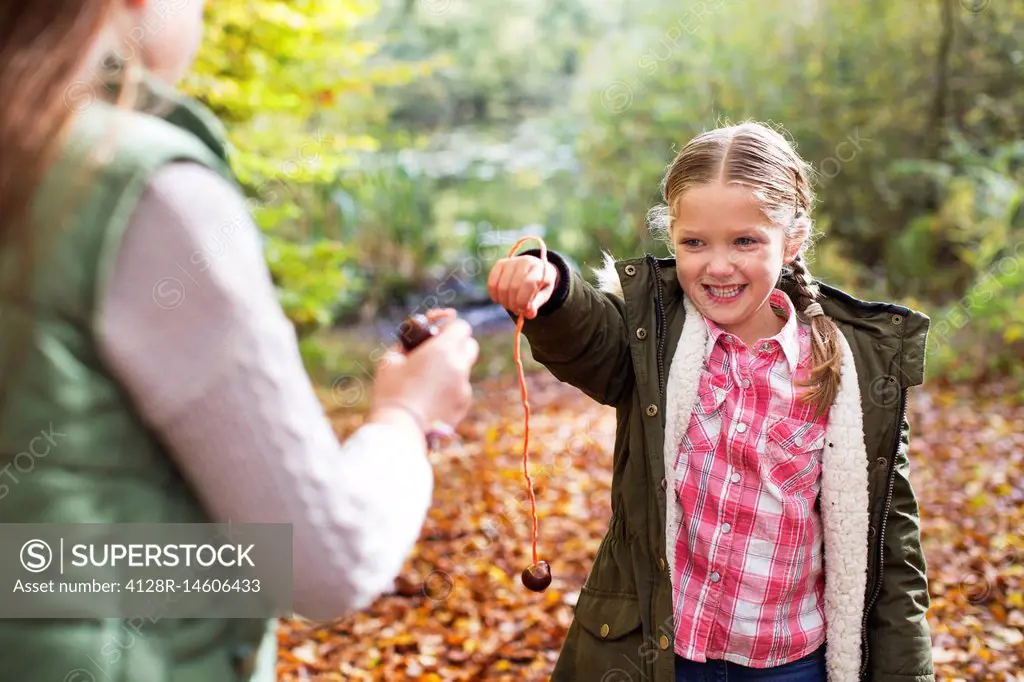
(537,576)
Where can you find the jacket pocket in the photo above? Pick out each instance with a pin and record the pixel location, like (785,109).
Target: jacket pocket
(605,642)
(608,616)
(794,453)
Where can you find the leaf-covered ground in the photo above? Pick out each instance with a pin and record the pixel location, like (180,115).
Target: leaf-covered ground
(459,611)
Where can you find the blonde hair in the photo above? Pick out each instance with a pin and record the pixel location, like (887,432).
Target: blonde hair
(754,155)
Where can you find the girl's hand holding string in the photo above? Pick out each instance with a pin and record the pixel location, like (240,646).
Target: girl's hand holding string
(522,284)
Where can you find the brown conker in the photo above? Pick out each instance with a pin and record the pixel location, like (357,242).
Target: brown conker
(537,577)
(415,330)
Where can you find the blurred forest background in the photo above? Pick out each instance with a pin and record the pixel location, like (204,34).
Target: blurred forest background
(394,149)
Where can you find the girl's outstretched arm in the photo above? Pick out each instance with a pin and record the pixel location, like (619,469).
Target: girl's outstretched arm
(579,334)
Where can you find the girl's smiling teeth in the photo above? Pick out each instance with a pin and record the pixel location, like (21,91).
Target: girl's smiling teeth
(724,293)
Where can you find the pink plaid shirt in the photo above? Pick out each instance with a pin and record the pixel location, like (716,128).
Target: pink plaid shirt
(748,580)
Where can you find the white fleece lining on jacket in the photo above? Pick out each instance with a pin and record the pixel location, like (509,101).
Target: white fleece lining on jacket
(844,483)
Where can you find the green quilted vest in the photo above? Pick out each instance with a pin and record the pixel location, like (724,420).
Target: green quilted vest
(72,448)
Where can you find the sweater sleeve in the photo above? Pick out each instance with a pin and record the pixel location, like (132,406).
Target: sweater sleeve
(192,327)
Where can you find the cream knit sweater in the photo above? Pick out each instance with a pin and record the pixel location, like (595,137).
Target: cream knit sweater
(192,328)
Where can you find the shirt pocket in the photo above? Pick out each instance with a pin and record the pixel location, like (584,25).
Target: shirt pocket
(794,453)
(705,427)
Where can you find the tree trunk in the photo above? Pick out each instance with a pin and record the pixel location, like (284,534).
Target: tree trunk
(938,121)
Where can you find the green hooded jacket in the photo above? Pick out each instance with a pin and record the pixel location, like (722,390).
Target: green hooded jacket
(638,345)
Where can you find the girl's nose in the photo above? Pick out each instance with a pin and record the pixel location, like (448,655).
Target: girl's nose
(721,266)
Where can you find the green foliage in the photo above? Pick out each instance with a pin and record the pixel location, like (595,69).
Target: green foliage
(982,334)
(977,234)
(411,131)
(388,218)
(294,82)
(496,60)
(287,78)
(316,281)
(979,196)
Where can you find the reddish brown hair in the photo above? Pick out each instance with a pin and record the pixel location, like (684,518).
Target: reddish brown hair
(44,50)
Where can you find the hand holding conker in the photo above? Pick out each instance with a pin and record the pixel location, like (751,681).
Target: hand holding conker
(412,333)
(416,329)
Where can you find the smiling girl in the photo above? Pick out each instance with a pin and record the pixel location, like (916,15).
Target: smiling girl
(763,522)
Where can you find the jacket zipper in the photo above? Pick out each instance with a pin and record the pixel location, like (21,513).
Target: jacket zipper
(881,533)
(661,326)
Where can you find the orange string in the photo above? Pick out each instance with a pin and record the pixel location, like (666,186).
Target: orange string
(526,402)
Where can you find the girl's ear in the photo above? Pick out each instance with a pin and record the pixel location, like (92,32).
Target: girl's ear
(792,250)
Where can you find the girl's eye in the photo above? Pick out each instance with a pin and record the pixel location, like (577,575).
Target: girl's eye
(746,241)
(690,243)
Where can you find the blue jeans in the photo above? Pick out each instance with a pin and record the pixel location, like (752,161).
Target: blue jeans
(810,668)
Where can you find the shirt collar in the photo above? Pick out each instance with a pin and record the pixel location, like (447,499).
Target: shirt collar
(788,338)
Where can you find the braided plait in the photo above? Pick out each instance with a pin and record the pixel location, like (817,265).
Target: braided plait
(806,288)
(803,197)
(825,353)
